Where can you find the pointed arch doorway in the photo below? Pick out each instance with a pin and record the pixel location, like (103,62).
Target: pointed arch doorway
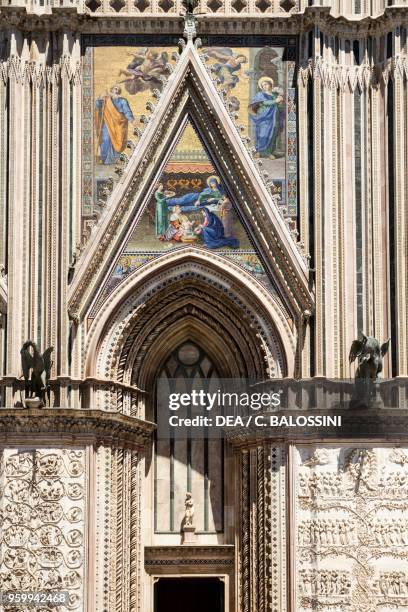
(203,334)
(189,314)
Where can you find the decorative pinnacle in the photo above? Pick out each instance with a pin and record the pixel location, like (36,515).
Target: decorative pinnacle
(190,31)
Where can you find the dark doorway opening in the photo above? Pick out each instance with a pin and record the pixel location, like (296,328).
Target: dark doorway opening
(187,594)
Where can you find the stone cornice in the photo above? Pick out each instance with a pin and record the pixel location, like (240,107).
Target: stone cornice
(84,384)
(296,23)
(70,19)
(107,384)
(359,27)
(101,428)
(59,19)
(371,424)
(198,556)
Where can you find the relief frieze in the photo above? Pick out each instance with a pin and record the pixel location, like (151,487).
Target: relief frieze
(42,513)
(352,530)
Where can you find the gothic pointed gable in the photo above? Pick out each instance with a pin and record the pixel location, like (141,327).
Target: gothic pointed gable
(189,206)
(191,98)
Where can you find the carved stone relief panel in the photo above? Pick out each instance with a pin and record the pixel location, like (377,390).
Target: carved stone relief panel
(351,528)
(277,539)
(43,506)
(262,561)
(103,526)
(118,537)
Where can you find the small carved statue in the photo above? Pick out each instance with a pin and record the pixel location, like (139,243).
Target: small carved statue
(36,370)
(189,511)
(370,355)
(319,457)
(71,268)
(190,31)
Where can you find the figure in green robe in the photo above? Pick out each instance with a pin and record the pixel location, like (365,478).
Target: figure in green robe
(162,210)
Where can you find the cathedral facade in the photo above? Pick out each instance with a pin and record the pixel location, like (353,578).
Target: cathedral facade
(203,191)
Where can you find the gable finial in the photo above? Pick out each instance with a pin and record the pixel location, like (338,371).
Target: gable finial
(190,30)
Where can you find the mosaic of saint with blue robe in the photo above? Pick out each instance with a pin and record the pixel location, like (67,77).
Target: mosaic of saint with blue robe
(266,112)
(212,232)
(113,114)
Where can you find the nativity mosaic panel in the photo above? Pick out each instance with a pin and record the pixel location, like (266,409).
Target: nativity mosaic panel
(189,203)
(189,206)
(43,497)
(352,528)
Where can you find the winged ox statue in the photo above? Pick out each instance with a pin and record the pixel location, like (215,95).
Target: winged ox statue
(36,370)
(369,354)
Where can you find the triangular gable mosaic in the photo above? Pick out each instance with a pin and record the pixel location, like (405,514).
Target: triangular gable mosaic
(189,206)
(121,74)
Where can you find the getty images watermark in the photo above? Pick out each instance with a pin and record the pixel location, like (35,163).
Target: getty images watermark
(201,411)
(208,401)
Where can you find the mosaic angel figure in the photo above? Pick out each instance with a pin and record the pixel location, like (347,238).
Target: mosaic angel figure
(147,70)
(227,66)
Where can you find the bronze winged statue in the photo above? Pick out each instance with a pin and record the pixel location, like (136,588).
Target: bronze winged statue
(369,354)
(36,370)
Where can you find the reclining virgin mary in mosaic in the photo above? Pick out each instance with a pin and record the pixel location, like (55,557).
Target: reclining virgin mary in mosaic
(210,195)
